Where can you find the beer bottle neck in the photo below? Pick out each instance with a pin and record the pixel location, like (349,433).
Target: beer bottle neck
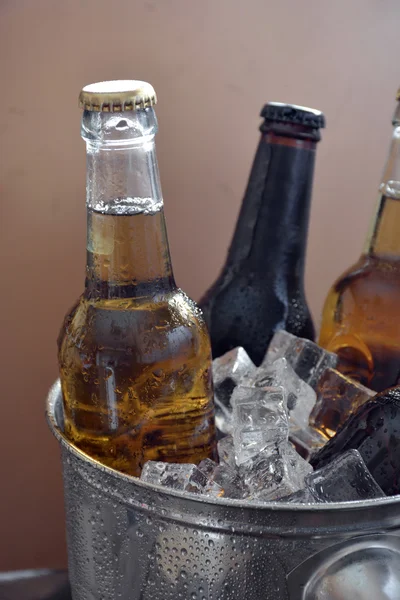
(127,246)
(271,231)
(384,238)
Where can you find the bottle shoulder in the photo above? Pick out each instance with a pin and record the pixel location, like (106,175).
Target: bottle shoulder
(366,275)
(361,313)
(164,321)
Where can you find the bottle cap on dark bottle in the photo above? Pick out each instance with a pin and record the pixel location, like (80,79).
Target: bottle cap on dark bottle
(290,120)
(291,113)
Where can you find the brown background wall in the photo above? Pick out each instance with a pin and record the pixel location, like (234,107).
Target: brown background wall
(213,63)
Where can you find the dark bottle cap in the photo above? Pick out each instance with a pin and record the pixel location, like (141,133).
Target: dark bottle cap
(296,115)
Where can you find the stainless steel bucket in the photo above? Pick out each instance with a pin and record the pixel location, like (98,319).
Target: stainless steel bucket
(132,541)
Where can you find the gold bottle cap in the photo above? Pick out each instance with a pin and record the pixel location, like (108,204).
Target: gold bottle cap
(117,96)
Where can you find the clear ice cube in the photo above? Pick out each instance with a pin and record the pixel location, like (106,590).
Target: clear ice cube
(274,474)
(300,396)
(207,466)
(223,417)
(226,477)
(343,479)
(259,420)
(228,370)
(226,451)
(184,477)
(338,397)
(307,359)
(280,342)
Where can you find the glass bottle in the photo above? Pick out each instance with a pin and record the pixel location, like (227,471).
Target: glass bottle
(134,352)
(261,286)
(360,320)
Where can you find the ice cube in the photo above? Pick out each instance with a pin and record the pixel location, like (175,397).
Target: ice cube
(226,451)
(338,397)
(280,342)
(260,420)
(300,396)
(184,477)
(207,466)
(263,474)
(274,474)
(228,479)
(300,413)
(228,370)
(307,359)
(343,479)
(223,417)
(306,440)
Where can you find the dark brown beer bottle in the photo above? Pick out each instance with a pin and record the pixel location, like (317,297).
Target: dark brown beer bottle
(261,286)
(361,316)
(374,430)
(134,352)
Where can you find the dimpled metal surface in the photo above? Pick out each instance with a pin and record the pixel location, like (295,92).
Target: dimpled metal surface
(134,541)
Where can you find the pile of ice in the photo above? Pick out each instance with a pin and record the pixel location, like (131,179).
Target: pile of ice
(263,418)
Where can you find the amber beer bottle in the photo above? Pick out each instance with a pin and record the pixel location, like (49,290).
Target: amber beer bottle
(361,316)
(261,286)
(134,352)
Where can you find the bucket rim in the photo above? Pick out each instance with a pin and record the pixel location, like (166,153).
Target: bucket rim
(54,404)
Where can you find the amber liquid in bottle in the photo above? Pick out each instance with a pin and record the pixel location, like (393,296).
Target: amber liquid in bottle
(361,316)
(134,352)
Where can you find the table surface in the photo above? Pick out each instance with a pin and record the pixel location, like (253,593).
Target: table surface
(35,584)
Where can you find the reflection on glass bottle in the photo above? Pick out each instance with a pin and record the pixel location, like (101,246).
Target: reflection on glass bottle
(361,314)
(134,352)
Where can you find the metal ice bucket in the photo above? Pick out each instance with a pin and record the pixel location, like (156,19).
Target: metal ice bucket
(129,540)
